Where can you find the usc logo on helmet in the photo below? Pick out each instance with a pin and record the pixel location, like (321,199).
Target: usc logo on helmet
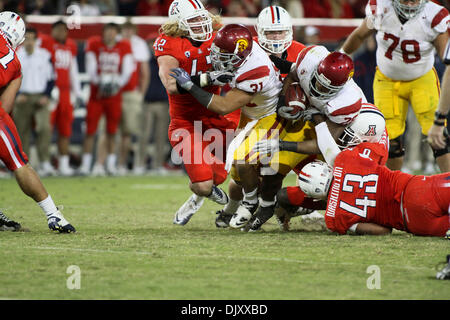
(242,44)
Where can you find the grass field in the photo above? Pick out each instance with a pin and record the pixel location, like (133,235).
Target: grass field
(126,247)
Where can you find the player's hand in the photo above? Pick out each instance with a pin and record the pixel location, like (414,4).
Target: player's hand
(284,65)
(182,77)
(44,100)
(219,78)
(308,114)
(265,147)
(108,89)
(436,137)
(286,113)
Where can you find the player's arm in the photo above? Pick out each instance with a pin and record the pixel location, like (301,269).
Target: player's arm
(366,228)
(327,134)
(9,94)
(166,63)
(233,100)
(127,69)
(357,37)
(440,43)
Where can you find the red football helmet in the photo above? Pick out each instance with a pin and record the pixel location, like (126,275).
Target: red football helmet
(331,74)
(231,46)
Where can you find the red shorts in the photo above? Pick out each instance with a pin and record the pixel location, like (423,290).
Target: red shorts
(426,205)
(202,147)
(62,117)
(110,107)
(11,152)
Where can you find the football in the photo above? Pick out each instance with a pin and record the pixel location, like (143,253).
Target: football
(295,97)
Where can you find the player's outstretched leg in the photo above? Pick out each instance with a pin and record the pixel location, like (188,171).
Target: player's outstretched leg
(187,210)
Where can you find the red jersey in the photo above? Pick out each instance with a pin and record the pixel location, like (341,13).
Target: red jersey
(195,60)
(11,65)
(363,190)
(63,55)
(109,59)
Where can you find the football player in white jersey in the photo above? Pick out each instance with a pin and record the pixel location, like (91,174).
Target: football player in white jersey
(326,80)
(256,85)
(275,36)
(408,33)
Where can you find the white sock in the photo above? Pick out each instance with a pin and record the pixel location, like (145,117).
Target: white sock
(64,161)
(252,196)
(48,206)
(232,206)
(111,161)
(197,198)
(265,203)
(86,160)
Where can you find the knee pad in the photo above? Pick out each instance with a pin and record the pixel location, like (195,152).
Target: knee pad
(396,148)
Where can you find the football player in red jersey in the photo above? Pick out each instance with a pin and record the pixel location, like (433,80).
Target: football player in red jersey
(64,58)
(185,42)
(275,36)
(365,197)
(109,64)
(12,30)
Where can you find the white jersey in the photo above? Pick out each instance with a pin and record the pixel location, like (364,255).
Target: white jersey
(405,51)
(258,75)
(345,105)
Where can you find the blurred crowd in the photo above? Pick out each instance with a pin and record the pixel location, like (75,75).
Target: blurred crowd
(233,8)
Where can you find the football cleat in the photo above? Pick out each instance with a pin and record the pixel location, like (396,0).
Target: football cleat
(261,216)
(444,274)
(7,224)
(222,219)
(187,210)
(218,196)
(57,222)
(243,214)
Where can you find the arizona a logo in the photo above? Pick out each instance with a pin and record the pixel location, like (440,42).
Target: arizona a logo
(372,131)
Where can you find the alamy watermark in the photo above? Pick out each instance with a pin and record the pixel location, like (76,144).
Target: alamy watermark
(374,281)
(74,280)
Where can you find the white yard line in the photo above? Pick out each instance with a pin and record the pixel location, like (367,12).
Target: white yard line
(249,258)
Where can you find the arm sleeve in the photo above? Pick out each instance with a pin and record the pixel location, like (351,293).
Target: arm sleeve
(91,67)
(328,147)
(74,79)
(127,69)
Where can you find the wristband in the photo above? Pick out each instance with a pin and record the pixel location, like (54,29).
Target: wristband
(288,146)
(439,123)
(439,116)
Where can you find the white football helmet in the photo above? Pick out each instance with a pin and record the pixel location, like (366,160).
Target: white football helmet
(274,18)
(368,126)
(13,27)
(315,179)
(193,18)
(408,11)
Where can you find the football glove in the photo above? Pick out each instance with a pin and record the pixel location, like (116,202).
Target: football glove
(182,77)
(265,147)
(283,65)
(219,78)
(108,89)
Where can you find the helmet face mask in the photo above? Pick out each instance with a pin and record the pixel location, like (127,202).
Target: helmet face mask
(230,48)
(271,21)
(408,11)
(193,18)
(330,75)
(13,28)
(315,179)
(368,126)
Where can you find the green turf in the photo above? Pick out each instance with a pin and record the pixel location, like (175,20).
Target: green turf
(127,248)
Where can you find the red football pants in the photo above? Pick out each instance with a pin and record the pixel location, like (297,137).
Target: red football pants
(62,117)
(426,205)
(203,154)
(11,152)
(110,107)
